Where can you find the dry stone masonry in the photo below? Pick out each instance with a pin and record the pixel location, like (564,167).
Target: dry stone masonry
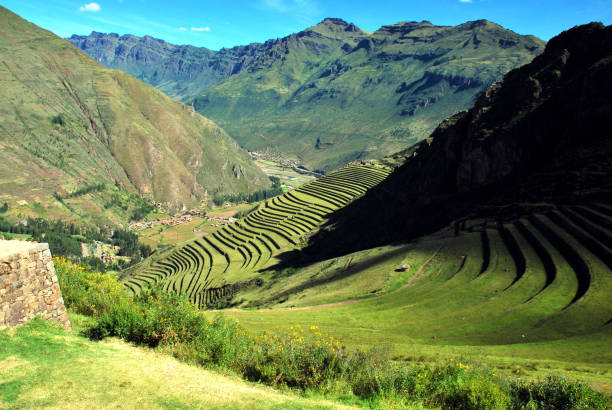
(28,284)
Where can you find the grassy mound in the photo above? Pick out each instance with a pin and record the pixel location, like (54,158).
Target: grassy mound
(41,365)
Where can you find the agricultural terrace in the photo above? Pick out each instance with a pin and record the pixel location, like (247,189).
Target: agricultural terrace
(532,292)
(215,265)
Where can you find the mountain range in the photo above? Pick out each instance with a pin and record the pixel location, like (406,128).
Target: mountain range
(68,124)
(333,92)
(541,137)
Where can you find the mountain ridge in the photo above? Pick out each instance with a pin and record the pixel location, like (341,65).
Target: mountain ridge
(360,94)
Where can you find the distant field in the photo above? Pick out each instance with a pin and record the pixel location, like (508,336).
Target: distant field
(288,176)
(14,236)
(230,211)
(161,235)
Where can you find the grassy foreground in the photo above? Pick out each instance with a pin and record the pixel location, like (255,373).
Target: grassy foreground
(42,365)
(38,360)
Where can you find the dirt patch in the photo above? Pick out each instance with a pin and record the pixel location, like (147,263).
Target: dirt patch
(10,363)
(223,214)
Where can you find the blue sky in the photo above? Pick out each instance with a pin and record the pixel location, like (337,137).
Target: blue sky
(216,24)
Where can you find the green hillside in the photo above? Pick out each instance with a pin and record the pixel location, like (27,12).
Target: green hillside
(493,241)
(68,124)
(38,370)
(333,93)
(528,298)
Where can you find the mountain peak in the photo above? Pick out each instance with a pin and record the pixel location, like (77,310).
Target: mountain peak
(334,25)
(334,21)
(480,23)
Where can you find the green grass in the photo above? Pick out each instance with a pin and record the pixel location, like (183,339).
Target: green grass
(520,303)
(440,308)
(303,358)
(42,365)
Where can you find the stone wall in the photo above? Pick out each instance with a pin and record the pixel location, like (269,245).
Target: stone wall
(28,284)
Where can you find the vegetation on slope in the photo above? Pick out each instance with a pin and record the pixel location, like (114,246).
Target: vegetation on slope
(527,308)
(43,366)
(333,93)
(297,357)
(66,240)
(213,268)
(69,124)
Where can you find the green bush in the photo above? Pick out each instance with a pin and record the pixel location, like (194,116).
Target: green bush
(294,357)
(557,393)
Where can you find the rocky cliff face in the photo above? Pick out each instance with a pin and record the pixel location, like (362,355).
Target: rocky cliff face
(180,71)
(544,134)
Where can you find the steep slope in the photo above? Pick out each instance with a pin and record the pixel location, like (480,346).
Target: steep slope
(333,93)
(540,136)
(330,93)
(68,123)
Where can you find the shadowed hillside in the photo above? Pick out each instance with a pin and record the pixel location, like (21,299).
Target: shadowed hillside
(542,135)
(68,123)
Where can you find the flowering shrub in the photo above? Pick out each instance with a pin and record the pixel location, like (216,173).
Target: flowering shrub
(87,292)
(294,357)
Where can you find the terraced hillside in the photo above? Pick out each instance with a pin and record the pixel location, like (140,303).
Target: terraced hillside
(219,264)
(492,240)
(534,291)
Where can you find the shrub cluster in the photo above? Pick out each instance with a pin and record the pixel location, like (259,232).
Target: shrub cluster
(299,357)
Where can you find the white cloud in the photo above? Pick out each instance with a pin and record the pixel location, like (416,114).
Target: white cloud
(182,29)
(90,7)
(200,28)
(301,7)
(466,1)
